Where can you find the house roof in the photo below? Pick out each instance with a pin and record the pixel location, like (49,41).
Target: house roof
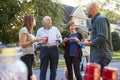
(73,11)
(67,12)
(78,12)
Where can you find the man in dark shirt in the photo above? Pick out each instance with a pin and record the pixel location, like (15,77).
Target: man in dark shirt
(101,41)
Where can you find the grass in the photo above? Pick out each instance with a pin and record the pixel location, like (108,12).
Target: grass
(116,53)
(60,64)
(116,57)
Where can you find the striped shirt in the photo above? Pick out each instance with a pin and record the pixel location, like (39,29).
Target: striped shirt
(101,38)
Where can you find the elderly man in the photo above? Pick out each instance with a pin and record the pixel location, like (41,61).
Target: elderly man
(49,48)
(101,42)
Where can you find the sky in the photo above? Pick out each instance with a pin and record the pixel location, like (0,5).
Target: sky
(74,3)
(69,2)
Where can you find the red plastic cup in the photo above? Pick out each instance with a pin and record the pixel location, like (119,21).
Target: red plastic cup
(92,72)
(46,39)
(110,73)
(65,42)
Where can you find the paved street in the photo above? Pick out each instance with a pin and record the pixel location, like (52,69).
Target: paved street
(60,71)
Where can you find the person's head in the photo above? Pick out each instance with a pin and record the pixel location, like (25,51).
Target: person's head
(92,9)
(71,26)
(47,22)
(29,22)
(85,36)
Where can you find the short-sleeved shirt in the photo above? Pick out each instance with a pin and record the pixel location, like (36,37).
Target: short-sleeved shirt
(73,45)
(28,49)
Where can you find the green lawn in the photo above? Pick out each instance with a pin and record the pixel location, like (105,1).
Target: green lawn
(60,64)
(116,57)
(116,53)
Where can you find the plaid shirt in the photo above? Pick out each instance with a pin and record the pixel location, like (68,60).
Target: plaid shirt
(101,38)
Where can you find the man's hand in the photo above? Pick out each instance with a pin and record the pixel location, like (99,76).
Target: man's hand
(85,43)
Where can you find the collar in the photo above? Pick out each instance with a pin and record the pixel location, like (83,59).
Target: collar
(93,19)
(47,28)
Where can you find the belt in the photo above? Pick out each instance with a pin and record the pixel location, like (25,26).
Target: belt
(49,46)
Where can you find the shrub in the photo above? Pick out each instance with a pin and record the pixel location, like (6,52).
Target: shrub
(115,41)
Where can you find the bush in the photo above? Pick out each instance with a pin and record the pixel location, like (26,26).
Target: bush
(115,41)
(64,33)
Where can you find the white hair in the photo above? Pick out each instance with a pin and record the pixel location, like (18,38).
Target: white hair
(45,19)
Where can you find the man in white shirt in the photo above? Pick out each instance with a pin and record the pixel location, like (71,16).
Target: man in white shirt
(49,48)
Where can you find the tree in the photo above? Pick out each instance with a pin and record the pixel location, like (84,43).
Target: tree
(8,12)
(11,16)
(109,8)
(113,17)
(13,11)
(115,41)
(50,8)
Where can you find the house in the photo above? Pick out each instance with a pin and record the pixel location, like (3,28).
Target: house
(76,14)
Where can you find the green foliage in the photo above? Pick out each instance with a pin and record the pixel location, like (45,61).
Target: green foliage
(13,11)
(8,12)
(110,9)
(115,41)
(52,9)
(113,17)
(64,33)
(11,17)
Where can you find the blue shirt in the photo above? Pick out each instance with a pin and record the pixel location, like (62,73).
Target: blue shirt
(52,33)
(73,45)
